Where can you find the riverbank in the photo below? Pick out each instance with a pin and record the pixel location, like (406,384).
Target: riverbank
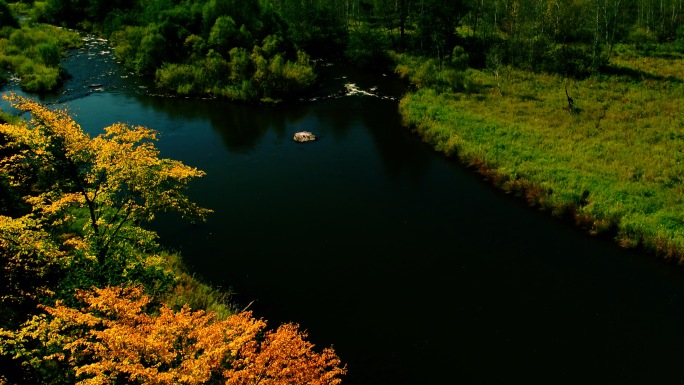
(81,268)
(612,162)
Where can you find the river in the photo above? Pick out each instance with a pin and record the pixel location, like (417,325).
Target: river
(410,265)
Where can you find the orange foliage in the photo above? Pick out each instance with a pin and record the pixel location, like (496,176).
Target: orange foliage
(114,337)
(283,357)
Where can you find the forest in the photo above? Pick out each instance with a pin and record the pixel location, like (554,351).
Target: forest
(574,106)
(268,49)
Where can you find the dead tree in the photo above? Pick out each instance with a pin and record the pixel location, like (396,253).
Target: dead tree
(571,102)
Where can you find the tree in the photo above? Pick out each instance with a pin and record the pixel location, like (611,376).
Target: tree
(109,184)
(116,338)
(283,357)
(84,204)
(223,34)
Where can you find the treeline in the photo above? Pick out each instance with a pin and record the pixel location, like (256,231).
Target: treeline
(571,38)
(88,296)
(263,50)
(236,49)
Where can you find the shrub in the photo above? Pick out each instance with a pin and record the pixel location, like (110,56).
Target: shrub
(39,78)
(49,54)
(183,79)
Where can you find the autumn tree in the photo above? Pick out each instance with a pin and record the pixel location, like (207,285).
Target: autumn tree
(86,202)
(109,184)
(116,338)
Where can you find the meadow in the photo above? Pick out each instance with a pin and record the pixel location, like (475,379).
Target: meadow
(612,161)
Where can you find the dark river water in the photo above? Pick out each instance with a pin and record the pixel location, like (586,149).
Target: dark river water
(414,269)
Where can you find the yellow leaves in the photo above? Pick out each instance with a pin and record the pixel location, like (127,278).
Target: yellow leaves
(23,238)
(47,127)
(106,184)
(128,158)
(126,134)
(173,347)
(52,205)
(20,344)
(78,244)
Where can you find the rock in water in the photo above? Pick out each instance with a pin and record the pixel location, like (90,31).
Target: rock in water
(304,136)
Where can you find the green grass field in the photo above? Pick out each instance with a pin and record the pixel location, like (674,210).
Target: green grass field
(614,163)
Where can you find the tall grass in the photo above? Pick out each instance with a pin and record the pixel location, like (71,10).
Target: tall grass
(614,163)
(192,291)
(33,53)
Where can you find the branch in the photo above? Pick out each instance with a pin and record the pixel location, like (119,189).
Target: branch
(98,184)
(246,307)
(105,247)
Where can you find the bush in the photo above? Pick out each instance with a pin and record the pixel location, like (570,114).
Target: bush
(678,44)
(459,58)
(183,79)
(34,52)
(428,73)
(39,78)
(49,54)
(641,37)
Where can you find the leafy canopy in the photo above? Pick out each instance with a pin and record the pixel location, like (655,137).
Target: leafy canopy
(113,338)
(108,185)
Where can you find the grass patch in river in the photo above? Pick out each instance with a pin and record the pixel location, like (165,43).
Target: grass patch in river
(33,53)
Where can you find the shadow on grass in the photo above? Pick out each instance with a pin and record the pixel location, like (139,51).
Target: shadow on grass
(636,75)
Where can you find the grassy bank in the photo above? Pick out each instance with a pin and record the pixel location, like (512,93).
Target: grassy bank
(33,53)
(613,163)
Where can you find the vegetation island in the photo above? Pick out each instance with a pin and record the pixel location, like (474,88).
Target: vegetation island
(574,106)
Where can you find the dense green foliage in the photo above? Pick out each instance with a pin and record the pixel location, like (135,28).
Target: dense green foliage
(236,49)
(262,50)
(33,53)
